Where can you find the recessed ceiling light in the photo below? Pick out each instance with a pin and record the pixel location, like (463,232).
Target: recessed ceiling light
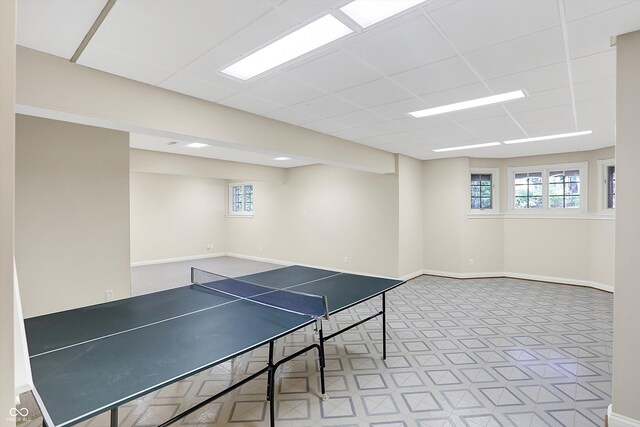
(473,103)
(369,12)
(282,158)
(546,137)
(301,41)
(197,145)
(466,147)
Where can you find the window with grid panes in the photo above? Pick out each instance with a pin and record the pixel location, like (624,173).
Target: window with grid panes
(564,189)
(611,187)
(527,190)
(241,199)
(481,191)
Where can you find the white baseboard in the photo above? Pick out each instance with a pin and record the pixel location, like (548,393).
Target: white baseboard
(617,420)
(185,258)
(550,279)
(412,275)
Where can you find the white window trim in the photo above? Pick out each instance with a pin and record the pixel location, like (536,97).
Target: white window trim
(230,211)
(603,187)
(495,192)
(583,167)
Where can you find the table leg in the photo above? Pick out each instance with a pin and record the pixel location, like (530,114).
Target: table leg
(322,362)
(114,417)
(384,328)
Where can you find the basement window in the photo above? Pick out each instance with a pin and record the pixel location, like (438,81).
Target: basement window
(241,199)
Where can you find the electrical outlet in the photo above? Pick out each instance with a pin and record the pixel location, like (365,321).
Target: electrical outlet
(346,259)
(108,295)
(471,261)
(259,248)
(209,246)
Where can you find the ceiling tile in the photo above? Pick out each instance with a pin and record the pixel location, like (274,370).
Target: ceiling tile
(283,90)
(457,94)
(550,127)
(595,89)
(422,123)
(593,34)
(597,106)
(303,11)
(594,67)
(326,106)
(496,128)
(518,55)
(409,43)
(477,113)
(576,9)
(132,40)
(51,27)
(494,21)
(334,71)
(436,77)
(386,128)
(357,118)
(540,100)
(326,126)
(533,80)
(399,109)
(371,94)
(354,134)
(543,114)
(449,134)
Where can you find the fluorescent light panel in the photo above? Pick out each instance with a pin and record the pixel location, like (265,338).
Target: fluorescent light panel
(312,36)
(473,103)
(547,137)
(466,147)
(369,12)
(197,145)
(280,159)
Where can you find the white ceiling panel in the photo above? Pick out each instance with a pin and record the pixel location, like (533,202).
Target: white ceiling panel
(551,126)
(424,123)
(131,39)
(457,94)
(398,110)
(533,80)
(576,9)
(494,21)
(327,126)
(540,100)
(327,106)
(292,116)
(387,128)
(450,134)
(354,134)
(595,89)
(377,92)
(518,55)
(543,114)
(594,67)
(597,106)
(410,43)
(593,34)
(439,76)
(334,71)
(56,27)
(302,11)
(496,128)
(213,21)
(477,113)
(357,118)
(284,90)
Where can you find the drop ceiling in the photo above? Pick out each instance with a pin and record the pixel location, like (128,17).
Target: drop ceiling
(361,87)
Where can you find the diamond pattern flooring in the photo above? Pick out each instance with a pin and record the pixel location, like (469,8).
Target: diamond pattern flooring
(482,352)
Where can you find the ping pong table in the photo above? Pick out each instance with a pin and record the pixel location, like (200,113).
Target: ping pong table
(90,360)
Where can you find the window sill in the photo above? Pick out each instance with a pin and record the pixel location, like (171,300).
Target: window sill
(239,216)
(510,215)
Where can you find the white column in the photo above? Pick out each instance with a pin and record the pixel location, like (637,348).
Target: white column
(625,409)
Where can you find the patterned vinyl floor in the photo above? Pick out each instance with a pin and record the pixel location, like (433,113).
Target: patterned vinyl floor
(482,352)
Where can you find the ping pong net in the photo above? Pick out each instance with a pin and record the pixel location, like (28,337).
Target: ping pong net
(284,299)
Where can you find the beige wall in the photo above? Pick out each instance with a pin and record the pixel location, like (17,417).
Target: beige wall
(7,156)
(176,216)
(411,215)
(321,215)
(572,250)
(626,333)
(72,214)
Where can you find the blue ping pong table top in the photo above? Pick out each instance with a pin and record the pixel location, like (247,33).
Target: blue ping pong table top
(88,360)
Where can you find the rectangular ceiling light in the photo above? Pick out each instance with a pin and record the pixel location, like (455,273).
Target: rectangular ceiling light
(466,147)
(197,145)
(473,103)
(369,12)
(547,137)
(312,36)
(282,159)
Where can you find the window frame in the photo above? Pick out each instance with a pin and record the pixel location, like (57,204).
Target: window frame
(243,213)
(545,210)
(495,191)
(603,186)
